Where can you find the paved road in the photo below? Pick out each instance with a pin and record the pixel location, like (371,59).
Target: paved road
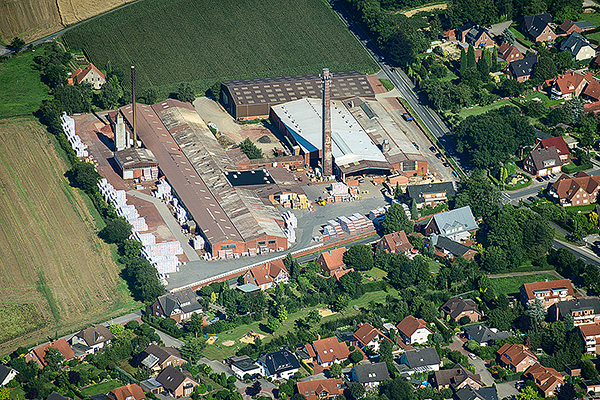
(581,253)
(506,390)
(169,340)
(171,222)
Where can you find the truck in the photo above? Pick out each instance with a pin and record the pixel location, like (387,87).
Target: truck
(407,116)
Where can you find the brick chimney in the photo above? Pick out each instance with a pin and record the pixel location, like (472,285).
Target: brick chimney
(326,161)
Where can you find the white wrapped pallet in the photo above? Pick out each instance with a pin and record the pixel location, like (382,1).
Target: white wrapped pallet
(145,238)
(138,224)
(199,242)
(165,264)
(163,190)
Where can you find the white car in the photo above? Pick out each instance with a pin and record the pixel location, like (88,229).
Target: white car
(472,355)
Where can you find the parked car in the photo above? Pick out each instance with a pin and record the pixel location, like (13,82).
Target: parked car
(531,199)
(416,145)
(433,149)
(472,356)
(438,155)
(546,178)
(446,164)
(539,179)
(407,116)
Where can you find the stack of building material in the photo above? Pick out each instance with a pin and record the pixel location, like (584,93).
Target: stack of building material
(163,191)
(138,224)
(165,264)
(361,223)
(180,213)
(68,125)
(199,242)
(290,219)
(347,225)
(146,239)
(118,199)
(163,249)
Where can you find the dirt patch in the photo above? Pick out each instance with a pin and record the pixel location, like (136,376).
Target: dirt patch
(51,254)
(211,340)
(228,343)
(250,337)
(410,13)
(325,312)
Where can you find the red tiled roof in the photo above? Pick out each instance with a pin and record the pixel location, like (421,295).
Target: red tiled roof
(366,333)
(313,389)
(337,275)
(505,50)
(544,377)
(592,90)
(334,258)
(589,330)
(570,81)
(266,273)
(128,392)
(80,74)
(410,325)
(330,349)
(592,107)
(557,142)
(38,354)
(567,187)
(513,354)
(567,26)
(530,287)
(397,241)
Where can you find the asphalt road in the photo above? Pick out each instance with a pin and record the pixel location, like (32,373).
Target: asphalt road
(581,253)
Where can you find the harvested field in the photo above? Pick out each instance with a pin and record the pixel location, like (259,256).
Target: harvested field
(180,41)
(34,19)
(56,275)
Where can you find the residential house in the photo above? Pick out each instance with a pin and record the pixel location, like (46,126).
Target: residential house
(538,27)
(592,386)
(549,292)
(584,311)
(56,396)
(90,74)
(413,330)
(456,378)
(457,308)
(583,189)
(243,366)
(543,162)
(337,275)
(94,338)
(516,357)
(521,70)
(470,393)
(592,90)
(585,26)
(547,379)
(568,27)
(430,194)
(128,392)
(7,374)
(332,260)
(419,360)
(449,35)
(279,364)
(368,336)
(484,335)
(150,385)
(157,357)
(461,32)
(559,143)
(395,242)
(457,224)
(509,53)
(578,46)
(591,336)
(444,247)
(38,354)
(176,383)
(569,85)
(323,389)
(178,305)
(327,352)
(370,375)
(267,275)
(479,37)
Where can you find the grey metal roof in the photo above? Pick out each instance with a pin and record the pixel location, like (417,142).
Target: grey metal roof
(481,333)
(417,192)
(458,249)
(573,43)
(566,307)
(366,373)
(279,361)
(455,221)
(245,364)
(135,158)
(248,288)
(485,393)
(422,357)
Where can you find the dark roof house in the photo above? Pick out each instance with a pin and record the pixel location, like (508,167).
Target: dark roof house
(484,393)
(422,194)
(279,363)
(456,378)
(522,69)
(370,374)
(483,335)
(445,247)
(538,27)
(421,360)
(457,307)
(178,305)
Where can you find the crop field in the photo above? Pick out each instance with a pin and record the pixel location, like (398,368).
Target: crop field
(56,275)
(205,41)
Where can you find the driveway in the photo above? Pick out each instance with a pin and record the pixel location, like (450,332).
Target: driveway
(217,366)
(497,29)
(481,369)
(169,340)
(506,389)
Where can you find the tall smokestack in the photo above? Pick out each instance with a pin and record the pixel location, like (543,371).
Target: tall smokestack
(133,106)
(326,161)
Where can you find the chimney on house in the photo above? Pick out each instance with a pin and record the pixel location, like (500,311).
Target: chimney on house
(326,160)
(133,106)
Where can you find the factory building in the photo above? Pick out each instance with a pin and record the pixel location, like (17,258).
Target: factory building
(248,99)
(233,221)
(137,163)
(353,151)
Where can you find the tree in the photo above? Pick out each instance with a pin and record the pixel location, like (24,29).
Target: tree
(4,393)
(534,109)
(484,66)
(143,280)
(17,44)
(566,392)
(508,37)
(53,358)
(544,69)
(341,302)
(150,95)
(116,329)
(356,356)
(84,176)
(109,96)
(298,396)
(588,370)
(537,311)
(385,354)
(335,370)
(478,193)
(273,324)
(471,60)
(250,149)
(359,257)
(511,88)
(397,388)
(281,313)
(185,93)
(396,220)
(357,390)
(192,349)
(528,393)
(116,230)
(213,297)
(564,60)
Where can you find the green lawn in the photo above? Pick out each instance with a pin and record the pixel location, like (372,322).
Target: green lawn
(594,18)
(513,284)
(376,273)
(476,110)
(520,37)
(100,388)
(218,351)
(202,43)
(21,90)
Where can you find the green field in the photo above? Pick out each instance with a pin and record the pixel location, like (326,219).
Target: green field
(21,90)
(203,42)
(100,388)
(513,284)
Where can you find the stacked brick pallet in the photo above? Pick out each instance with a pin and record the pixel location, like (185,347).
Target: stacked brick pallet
(68,125)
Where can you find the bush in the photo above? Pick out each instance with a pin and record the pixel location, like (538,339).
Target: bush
(116,230)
